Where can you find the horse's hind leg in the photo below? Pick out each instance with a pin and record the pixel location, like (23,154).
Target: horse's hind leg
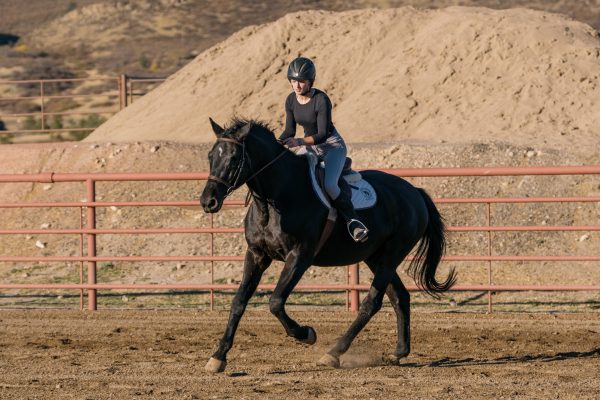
(254,266)
(369,307)
(400,299)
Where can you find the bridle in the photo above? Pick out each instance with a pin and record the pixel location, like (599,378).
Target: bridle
(238,173)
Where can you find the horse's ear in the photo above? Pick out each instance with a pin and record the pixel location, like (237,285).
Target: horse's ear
(216,128)
(244,131)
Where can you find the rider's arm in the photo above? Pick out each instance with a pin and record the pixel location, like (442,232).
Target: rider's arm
(290,121)
(323,107)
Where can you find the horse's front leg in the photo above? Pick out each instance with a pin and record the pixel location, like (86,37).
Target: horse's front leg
(255,264)
(296,263)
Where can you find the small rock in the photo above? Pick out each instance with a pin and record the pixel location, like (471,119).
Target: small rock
(530,153)
(154,149)
(47,187)
(25,275)
(94,146)
(510,154)
(45,225)
(452,303)
(583,237)
(230,281)
(180,266)
(58,386)
(113,208)
(39,244)
(59,297)
(27,237)
(125,298)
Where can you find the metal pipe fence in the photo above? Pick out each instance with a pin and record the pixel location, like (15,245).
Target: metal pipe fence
(88,232)
(116,93)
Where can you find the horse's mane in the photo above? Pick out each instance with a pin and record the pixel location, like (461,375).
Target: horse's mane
(238,122)
(263,131)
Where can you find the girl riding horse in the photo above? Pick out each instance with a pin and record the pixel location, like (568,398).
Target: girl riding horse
(311,108)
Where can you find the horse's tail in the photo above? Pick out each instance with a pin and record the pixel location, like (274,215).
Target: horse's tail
(429,253)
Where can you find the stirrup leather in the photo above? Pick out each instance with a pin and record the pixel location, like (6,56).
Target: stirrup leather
(361,236)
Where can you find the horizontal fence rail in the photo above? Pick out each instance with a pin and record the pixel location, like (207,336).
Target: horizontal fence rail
(352,287)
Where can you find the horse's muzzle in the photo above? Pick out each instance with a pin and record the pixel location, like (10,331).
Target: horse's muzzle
(210,205)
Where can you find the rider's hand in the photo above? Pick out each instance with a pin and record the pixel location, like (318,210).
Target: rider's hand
(293,142)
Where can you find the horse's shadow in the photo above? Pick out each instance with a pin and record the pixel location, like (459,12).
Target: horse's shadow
(463,362)
(527,358)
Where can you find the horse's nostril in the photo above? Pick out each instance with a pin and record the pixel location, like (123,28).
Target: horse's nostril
(212,204)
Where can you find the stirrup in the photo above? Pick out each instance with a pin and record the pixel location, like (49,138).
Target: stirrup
(361,235)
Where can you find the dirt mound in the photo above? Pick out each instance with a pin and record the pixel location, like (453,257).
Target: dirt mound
(453,75)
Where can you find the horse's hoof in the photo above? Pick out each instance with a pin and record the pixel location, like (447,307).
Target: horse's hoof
(394,359)
(391,359)
(311,338)
(329,361)
(213,365)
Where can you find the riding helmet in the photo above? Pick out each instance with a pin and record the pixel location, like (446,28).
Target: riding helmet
(302,69)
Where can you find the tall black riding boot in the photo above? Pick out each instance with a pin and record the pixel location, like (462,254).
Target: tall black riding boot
(357,230)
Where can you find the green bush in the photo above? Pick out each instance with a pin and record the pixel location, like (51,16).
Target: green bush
(91,121)
(144,61)
(56,122)
(31,123)
(6,138)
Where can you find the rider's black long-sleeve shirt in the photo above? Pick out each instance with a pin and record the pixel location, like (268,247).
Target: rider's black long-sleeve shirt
(314,117)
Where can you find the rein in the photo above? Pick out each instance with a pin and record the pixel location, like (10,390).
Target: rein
(234,186)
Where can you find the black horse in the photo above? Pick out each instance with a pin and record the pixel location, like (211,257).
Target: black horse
(285,222)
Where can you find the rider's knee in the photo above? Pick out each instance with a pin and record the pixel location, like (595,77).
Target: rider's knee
(332,189)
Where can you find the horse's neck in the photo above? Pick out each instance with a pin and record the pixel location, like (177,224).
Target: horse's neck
(281,181)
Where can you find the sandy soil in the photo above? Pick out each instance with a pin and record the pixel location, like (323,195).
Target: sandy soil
(161,355)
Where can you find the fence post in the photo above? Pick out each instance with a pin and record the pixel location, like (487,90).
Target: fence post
(354,294)
(122,91)
(489,242)
(81,254)
(42,115)
(91,237)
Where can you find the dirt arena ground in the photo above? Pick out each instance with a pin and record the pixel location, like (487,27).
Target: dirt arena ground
(58,354)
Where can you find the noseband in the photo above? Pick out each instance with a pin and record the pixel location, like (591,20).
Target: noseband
(231,187)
